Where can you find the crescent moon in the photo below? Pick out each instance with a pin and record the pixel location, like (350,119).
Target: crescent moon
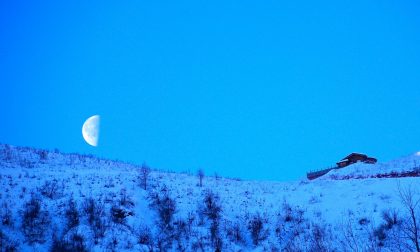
(90,130)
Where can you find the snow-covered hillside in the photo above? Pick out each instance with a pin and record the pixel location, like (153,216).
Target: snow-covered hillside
(408,166)
(65,202)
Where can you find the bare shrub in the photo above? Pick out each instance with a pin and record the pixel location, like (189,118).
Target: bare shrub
(165,207)
(211,207)
(349,240)
(145,237)
(181,234)
(52,189)
(75,242)
(190,222)
(118,214)
(72,214)
(125,200)
(319,238)
(92,209)
(290,227)
(35,221)
(390,218)
(95,216)
(199,243)
(257,230)
(235,232)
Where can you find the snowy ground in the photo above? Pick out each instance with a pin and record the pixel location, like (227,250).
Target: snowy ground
(331,204)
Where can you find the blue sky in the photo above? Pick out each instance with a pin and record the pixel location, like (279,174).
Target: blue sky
(256,90)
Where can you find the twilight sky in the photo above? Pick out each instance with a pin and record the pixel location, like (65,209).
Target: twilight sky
(251,89)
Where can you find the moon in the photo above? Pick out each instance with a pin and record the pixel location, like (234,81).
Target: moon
(90,130)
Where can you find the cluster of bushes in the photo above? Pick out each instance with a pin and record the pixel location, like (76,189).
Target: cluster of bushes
(35,221)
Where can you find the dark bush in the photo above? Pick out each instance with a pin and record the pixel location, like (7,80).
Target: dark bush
(390,219)
(180,234)
(99,228)
(35,221)
(199,244)
(364,221)
(380,233)
(145,236)
(319,237)
(7,153)
(125,200)
(6,215)
(6,244)
(43,155)
(52,189)
(119,214)
(257,230)
(165,207)
(93,210)
(75,242)
(211,207)
(235,233)
(72,214)
(95,216)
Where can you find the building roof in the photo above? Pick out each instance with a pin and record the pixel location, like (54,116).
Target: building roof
(354,154)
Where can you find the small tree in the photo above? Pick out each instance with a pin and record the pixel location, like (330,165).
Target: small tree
(410,202)
(144,175)
(200,175)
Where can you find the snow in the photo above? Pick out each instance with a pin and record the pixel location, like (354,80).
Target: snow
(360,169)
(327,200)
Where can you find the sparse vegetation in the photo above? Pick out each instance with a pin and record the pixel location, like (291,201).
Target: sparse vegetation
(257,229)
(95,216)
(35,221)
(75,242)
(97,205)
(119,214)
(165,207)
(72,214)
(52,189)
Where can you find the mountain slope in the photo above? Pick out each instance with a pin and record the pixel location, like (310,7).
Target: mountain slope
(324,214)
